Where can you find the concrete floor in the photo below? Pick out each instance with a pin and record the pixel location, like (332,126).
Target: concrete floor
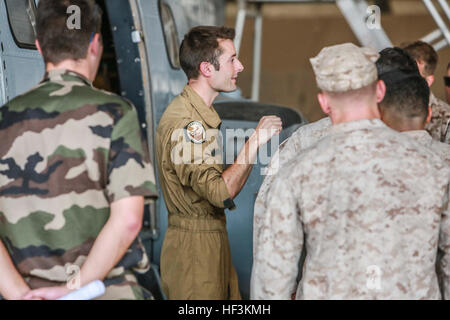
(293,33)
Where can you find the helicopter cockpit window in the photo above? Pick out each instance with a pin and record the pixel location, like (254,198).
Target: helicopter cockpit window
(22,20)
(170,34)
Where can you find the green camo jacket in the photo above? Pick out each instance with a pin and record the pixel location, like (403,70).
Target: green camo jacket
(67,152)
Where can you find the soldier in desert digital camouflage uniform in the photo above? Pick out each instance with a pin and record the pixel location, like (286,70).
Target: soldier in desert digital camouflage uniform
(369,204)
(303,138)
(74,173)
(427,58)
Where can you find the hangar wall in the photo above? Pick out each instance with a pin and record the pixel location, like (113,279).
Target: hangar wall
(292,33)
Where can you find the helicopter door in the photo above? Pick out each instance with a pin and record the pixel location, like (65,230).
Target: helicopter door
(22,66)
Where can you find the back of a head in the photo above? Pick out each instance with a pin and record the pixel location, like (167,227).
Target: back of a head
(407,92)
(346,72)
(61,39)
(408,99)
(344,67)
(422,51)
(201,44)
(393,60)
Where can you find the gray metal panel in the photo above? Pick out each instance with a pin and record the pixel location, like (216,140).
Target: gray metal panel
(166,82)
(24,68)
(206,12)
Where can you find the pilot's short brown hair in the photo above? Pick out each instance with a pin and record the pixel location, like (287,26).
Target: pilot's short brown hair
(201,44)
(423,52)
(58,39)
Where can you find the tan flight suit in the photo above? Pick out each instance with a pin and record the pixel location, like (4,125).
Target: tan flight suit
(195,259)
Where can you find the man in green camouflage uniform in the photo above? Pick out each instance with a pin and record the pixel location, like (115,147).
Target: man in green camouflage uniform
(74,173)
(427,59)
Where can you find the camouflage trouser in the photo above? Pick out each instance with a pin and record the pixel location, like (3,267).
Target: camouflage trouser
(125,288)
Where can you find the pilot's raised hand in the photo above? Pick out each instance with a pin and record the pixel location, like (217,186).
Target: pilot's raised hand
(268,127)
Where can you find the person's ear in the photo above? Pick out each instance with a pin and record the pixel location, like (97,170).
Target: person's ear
(324,104)
(381,90)
(430,113)
(206,69)
(38,46)
(430,80)
(96,45)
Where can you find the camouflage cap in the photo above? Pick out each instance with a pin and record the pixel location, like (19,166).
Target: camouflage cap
(345,67)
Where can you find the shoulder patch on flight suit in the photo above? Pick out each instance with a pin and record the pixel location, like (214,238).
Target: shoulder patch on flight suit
(196,132)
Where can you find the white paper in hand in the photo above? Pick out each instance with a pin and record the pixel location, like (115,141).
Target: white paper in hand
(88,292)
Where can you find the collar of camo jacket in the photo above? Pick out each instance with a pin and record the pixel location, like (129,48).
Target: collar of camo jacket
(58,75)
(208,114)
(363,124)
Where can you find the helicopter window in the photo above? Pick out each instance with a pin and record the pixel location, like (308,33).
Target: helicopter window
(170,34)
(22,21)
